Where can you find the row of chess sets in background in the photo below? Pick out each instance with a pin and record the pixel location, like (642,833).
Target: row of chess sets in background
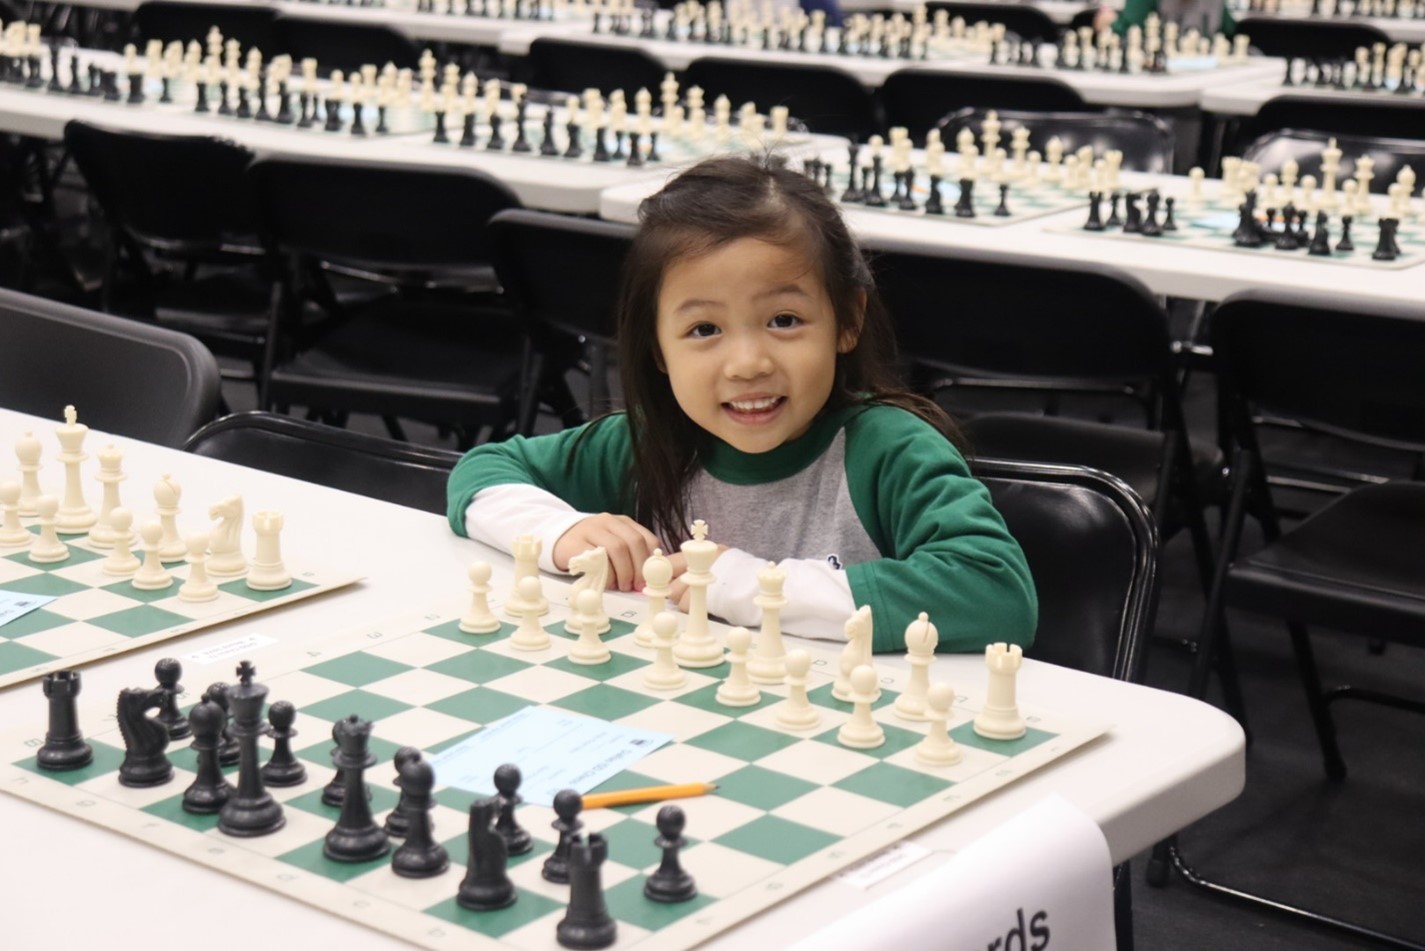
(209,554)
(1385,9)
(1394,69)
(1150,49)
(530,10)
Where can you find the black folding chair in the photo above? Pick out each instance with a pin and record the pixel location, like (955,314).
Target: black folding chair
(919,99)
(1309,39)
(1389,156)
(572,66)
(1335,116)
(396,472)
(344,46)
(172,21)
(825,99)
(1026,22)
(124,377)
(1147,142)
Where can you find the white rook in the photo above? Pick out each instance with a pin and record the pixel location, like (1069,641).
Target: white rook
(268,573)
(1000,719)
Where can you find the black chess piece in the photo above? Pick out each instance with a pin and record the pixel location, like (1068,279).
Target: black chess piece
(507,783)
(334,791)
(467,131)
(201,102)
(64,744)
(284,108)
(618,151)
(1346,244)
(669,882)
(934,205)
(635,150)
(54,84)
(1002,209)
(356,836)
(486,885)
(420,856)
(251,811)
(76,83)
(1169,223)
(333,114)
(136,95)
(210,789)
(1286,238)
(852,194)
(1114,221)
(283,769)
(398,821)
(1386,247)
(601,145)
(442,134)
(521,143)
(653,154)
(1132,214)
(306,109)
(144,738)
(574,149)
(262,114)
(167,672)
(567,806)
(1150,227)
(1095,222)
(907,202)
(244,103)
(1248,233)
(358,118)
(587,924)
(1321,240)
(965,205)
(546,142)
(871,190)
(228,752)
(496,141)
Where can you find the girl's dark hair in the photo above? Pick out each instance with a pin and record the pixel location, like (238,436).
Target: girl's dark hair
(706,207)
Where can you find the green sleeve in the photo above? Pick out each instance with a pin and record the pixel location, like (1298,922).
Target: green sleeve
(1134,13)
(946,550)
(586,467)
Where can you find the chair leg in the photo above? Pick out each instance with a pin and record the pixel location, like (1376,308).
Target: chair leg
(1316,701)
(1123,906)
(1231,685)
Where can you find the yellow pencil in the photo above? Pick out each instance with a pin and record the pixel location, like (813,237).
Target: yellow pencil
(628,797)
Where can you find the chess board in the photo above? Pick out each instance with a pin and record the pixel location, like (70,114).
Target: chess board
(1025,201)
(95,615)
(792,807)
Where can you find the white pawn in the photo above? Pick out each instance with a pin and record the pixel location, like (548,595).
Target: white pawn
(121,560)
(664,673)
(657,573)
(479,620)
(798,713)
(48,548)
(529,635)
(937,749)
(110,475)
(151,576)
(588,649)
(198,587)
(1000,719)
(920,640)
(862,732)
(28,450)
(268,573)
(768,664)
(165,496)
(738,690)
(12,533)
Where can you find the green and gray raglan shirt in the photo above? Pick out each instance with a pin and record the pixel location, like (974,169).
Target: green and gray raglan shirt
(871,506)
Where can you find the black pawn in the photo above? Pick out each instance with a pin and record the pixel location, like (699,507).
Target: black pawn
(521,143)
(227,753)
(1002,209)
(601,145)
(335,791)
(144,739)
(210,789)
(1169,224)
(871,191)
(1321,239)
(1114,221)
(467,131)
(1150,227)
(573,149)
(567,806)
(907,202)
(933,204)
(669,883)
(1346,244)
(356,836)
(496,142)
(587,923)
(420,856)
(486,885)
(250,811)
(398,820)
(507,783)
(965,206)
(283,769)
(653,154)
(1095,222)
(546,142)
(64,744)
(167,671)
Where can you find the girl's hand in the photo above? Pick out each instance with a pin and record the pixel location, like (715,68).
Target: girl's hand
(678,590)
(1104,18)
(628,545)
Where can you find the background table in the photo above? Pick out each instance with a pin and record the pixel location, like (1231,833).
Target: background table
(1245,98)
(1168,760)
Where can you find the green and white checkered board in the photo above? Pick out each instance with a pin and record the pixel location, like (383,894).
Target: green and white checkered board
(1025,201)
(792,807)
(95,615)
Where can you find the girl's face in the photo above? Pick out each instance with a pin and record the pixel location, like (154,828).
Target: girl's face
(748,339)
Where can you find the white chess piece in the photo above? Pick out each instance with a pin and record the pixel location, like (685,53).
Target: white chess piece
(588,649)
(151,576)
(592,567)
(797,713)
(938,749)
(921,637)
(529,635)
(738,690)
(165,496)
(110,475)
(657,573)
(479,619)
(1000,719)
(841,687)
(862,732)
(12,533)
(121,560)
(198,587)
(28,450)
(48,548)
(225,557)
(268,573)
(664,673)
(75,515)
(859,631)
(696,647)
(768,664)
(526,551)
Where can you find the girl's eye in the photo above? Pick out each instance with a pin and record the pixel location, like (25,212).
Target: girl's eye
(703,330)
(785,321)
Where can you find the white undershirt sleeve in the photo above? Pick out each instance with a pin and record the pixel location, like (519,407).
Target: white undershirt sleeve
(818,596)
(499,514)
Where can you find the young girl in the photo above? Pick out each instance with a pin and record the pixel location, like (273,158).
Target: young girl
(758,372)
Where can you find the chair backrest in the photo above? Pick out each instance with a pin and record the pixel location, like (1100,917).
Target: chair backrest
(919,98)
(1336,116)
(1092,548)
(1338,365)
(387,218)
(125,377)
(826,99)
(572,66)
(185,193)
(1026,22)
(168,21)
(396,472)
(1147,142)
(1309,39)
(345,46)
(1389,156)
